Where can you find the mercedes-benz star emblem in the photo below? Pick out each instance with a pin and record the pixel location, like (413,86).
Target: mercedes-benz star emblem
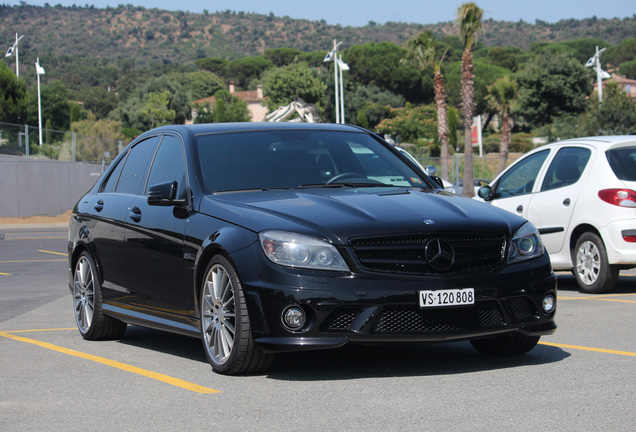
(439,254)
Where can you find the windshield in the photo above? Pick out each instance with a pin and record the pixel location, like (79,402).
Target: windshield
(299,158)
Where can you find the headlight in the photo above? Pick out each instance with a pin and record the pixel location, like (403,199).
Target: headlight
(526,244)
(296,250)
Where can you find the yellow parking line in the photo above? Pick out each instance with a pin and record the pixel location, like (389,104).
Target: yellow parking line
(602,298)
(32,261)
(56,253)
(118,365)
(34,238)
(5,274)
(626,353)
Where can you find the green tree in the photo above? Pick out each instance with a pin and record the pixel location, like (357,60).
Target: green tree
(99,101)
(281,85)
(244,70)
(379,64)
(552,86)
(615,116)
(13,97)
(469,17)
(501,97)
(55,105)
(200,84)
(411,124)
(420,51)
(281,56)
(157,109)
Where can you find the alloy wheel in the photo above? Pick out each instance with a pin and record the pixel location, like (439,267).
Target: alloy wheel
(219,314)
(588,262)
(84,294)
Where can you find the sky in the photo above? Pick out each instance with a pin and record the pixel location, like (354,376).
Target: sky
(360,12)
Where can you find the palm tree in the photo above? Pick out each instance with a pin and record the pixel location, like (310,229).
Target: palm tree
(502,95)
(469,22)
(421,52)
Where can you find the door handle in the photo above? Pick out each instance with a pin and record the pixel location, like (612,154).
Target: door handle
(135,214)
(99,205)
(520,209)
(566,202)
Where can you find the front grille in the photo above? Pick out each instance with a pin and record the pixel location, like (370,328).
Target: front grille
(405,254)
(522,308)
(341,319)
(412,319)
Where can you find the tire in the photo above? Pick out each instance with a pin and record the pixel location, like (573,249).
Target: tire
(513,344)
(87,303)
(225,325)
(591,268)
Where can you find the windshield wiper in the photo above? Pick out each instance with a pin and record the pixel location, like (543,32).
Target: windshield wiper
(343,184)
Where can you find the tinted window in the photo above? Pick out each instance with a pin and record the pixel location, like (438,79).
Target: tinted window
(168,165)
(623,162)
(520,177)
(111,182)
(288,159)
(566,168)
(132,176)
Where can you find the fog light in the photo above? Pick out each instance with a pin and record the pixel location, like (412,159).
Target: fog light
(549,304)
(294,318)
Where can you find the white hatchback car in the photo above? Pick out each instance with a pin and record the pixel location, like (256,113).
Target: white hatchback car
(581,195)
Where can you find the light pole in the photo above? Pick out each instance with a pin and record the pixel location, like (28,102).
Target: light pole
(40,71)
(342,66)
(333,56)
(10,51)
(595,63)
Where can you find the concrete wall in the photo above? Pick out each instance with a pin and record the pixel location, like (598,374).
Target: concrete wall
(32,187)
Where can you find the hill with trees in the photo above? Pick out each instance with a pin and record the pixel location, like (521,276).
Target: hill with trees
(116,72)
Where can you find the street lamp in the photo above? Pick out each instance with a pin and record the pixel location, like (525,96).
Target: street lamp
(10,51)
(40,71)
(343,67)
(595,63)
(333,56)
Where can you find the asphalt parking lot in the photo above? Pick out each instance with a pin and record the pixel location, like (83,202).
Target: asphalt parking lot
(581,378)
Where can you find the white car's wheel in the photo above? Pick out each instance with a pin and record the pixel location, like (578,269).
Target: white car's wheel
(592,270)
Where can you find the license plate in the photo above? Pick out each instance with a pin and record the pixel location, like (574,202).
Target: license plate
(451,297)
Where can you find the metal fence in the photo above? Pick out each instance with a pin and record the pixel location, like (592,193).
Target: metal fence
(25,140)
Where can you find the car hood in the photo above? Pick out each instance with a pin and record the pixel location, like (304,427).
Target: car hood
(339,214)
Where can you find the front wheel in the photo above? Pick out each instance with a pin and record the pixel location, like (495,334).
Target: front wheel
(87,303)
(225,324)
(592,270)
(513,344)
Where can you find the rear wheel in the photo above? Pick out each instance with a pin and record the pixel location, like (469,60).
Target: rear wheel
(225,324)
(513,344)
(87,303)
(592,270)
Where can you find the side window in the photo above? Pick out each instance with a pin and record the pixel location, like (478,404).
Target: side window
(168,165)
(521,177)
(110,183)
(136,165)
(566,168)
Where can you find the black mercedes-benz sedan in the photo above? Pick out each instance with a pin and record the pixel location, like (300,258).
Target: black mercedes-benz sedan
(261,238)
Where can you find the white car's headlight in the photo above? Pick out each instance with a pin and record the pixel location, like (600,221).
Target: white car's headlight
(296,250)
(526,244)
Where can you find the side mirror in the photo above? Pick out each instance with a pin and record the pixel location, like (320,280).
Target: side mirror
(164,194)
(485,192)
(437,180)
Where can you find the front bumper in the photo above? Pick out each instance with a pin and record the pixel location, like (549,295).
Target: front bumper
(342,308)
